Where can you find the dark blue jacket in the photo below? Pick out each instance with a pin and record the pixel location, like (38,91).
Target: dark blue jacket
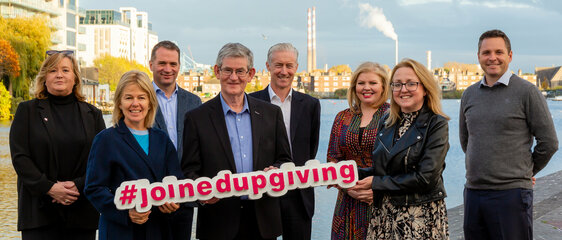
(115,157)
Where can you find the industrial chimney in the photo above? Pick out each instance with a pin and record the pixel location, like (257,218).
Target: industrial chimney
(309,42)
(428,60)
(396,53)
(313,38)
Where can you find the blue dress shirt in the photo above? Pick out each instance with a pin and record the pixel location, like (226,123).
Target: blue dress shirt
(169,108)
(239,126)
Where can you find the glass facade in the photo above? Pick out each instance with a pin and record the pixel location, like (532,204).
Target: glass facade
(101,17)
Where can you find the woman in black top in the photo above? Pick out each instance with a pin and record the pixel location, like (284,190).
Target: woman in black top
(408,160)
(50,140)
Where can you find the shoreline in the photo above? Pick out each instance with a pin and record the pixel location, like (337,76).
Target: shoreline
(547,210)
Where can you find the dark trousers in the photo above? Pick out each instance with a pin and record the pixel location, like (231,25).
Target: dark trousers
(248,228)
(502,214)
(181,224)
(296,222)
(55,232)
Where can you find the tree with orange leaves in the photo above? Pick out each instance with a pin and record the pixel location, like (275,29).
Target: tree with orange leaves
(9,60)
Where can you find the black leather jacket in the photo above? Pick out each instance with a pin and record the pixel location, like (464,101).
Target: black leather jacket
(410,170)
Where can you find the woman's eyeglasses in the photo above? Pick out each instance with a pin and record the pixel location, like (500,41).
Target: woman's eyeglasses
(65,52)
(410,86)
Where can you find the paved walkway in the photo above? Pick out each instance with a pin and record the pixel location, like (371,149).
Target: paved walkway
(547,210)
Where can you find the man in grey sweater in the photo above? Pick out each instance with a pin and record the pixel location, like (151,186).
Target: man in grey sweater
(499,117)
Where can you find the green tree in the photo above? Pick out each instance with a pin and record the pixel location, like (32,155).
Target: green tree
(5,103)
(31,38)
(341,93)
(112,68)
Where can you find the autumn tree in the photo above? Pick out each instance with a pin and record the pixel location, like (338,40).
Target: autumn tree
(253,86)
(339,69)
(111,68)
(9,62)
(30,37)
(5,103)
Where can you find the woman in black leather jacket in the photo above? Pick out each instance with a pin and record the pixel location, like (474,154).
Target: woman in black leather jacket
(408,160)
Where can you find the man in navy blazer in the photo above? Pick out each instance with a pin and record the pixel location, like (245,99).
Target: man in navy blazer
(173,103)
(238,133)
(301,114)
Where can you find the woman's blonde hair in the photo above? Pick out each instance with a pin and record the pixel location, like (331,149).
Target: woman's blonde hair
(367,67)
(142,80)
(433,92)
(51,62)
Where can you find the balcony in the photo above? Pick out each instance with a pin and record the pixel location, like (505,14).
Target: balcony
(34,6)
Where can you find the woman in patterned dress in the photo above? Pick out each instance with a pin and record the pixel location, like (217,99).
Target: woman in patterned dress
(408,160)
(352,138)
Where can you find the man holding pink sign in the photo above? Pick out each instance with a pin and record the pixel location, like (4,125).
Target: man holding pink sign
(241,134)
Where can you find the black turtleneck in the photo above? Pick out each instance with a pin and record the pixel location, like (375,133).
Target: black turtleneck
(70,137)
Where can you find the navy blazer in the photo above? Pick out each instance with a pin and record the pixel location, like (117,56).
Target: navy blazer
(116,157)
(305,131)
(186,102)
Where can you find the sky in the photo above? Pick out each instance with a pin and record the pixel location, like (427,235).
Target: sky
(353,31)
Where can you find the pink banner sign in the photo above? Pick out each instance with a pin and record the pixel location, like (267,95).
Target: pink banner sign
(142,195)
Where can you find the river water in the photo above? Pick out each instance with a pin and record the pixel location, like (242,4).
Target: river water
(325,198)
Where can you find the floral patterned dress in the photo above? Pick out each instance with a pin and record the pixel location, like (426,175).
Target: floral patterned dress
(425,221)
(350,142)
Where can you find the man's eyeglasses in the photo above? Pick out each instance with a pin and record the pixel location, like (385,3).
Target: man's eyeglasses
(65,52)
(410,86)
(239,72)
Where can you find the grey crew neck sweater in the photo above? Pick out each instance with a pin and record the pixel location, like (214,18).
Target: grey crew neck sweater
(497,125)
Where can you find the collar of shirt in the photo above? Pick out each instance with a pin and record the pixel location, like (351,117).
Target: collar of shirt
(226,108)
(504,79)
(272,94)
(160,92)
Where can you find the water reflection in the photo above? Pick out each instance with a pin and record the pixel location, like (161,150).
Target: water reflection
(8,191)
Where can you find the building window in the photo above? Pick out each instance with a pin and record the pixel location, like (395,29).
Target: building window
(70,38)
(335,84)
(326,78)
(70,20)
(316,89)
(326,89)
(316,84)
(326,84)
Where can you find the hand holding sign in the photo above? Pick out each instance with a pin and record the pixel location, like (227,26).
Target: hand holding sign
(142,195)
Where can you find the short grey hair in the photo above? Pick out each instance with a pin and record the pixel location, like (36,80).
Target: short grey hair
(282,47)
(235,50)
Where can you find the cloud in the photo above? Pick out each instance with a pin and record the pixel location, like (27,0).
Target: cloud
(405,3)
(496,4)
(370,16)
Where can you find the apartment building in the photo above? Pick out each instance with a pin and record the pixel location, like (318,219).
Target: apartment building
(125,33)
(63,16)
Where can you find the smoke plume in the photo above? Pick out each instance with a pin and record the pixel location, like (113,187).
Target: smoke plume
(370,16)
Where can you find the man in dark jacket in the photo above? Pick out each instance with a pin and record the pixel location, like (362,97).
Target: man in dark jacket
(238,133)
(301,115)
